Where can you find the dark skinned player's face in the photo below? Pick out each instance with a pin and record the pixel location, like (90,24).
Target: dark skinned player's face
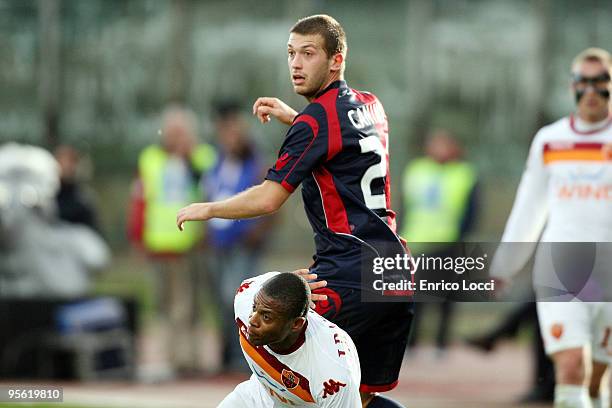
(267,323)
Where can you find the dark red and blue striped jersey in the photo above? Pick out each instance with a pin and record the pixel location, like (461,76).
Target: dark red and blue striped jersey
(337,148)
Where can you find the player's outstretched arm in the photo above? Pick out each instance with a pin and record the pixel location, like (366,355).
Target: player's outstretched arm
(265,107)
(262,199)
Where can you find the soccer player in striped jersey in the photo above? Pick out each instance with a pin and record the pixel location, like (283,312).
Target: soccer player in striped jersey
(337,150)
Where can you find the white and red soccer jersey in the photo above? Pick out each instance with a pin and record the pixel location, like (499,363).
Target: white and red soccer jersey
(566,190)
(321,369)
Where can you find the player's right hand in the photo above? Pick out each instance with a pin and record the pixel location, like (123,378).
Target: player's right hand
(309,278)
(265,107)
(193,212)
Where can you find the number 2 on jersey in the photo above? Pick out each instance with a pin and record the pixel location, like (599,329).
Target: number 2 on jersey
(378,170)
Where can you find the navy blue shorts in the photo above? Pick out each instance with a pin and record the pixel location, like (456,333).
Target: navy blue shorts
(379,330)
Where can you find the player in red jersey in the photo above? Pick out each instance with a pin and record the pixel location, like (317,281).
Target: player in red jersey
(337,149)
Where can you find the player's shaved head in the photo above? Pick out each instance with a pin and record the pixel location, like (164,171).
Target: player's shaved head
(291,292)
(328,28)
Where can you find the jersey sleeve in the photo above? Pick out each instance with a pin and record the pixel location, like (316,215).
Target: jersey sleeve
(304,148)
(245,294)
(347,396)
(527,218)
(340,372)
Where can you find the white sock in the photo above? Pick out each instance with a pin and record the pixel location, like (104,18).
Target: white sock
(572,396)
(602,402)
(604,399)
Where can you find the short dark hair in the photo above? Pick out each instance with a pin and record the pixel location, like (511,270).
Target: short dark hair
(326,26)
(291,291)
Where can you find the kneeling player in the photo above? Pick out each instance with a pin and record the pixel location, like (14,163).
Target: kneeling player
(298,358)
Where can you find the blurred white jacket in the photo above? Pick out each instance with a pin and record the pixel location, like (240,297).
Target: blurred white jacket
(41,256)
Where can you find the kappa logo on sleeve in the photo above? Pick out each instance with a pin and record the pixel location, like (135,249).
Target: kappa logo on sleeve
(332,305)
(243,286)
(331,387)
(282,161)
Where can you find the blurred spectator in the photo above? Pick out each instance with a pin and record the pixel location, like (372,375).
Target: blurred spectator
(440,203)
(168,178)
(39,255)
(74,203)
(237,245)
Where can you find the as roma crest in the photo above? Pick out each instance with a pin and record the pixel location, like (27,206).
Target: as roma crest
(290,380)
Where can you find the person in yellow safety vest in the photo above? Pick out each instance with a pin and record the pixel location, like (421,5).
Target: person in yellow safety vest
(439,193)
(169,178)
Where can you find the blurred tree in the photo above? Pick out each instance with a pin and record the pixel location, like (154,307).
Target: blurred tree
(180,50)
(49,68)
(419,16)
(543,54)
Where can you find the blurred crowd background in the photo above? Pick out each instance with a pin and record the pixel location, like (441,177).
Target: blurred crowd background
(113,88)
